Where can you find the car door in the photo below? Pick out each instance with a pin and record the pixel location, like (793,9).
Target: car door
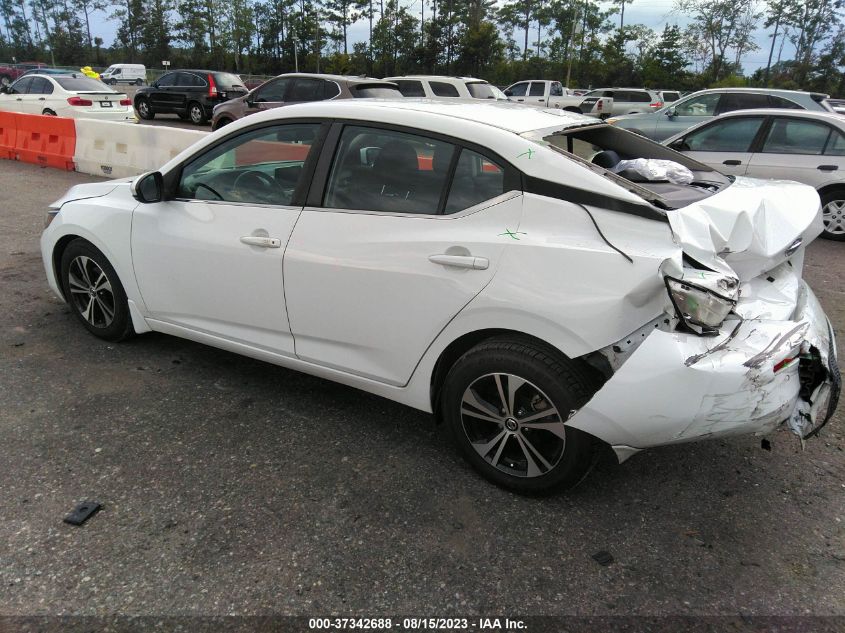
(268,96)
(724,145)
(384,256)
(40,96)
(210,258)
(537,94)
(686,113)
(799,149)
(518,91)
(159,92)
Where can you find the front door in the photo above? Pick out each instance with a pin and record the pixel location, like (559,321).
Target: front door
(725,145)
(225,232)
(387,256)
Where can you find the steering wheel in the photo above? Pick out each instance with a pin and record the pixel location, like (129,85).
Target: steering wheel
(258,185)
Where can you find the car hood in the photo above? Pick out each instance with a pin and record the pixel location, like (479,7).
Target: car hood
(749,227)
(90,190)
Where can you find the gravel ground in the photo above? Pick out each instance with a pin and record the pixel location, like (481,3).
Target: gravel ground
(230,486)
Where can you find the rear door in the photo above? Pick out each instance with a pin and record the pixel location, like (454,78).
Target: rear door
(800,149)
(384,255)
(724,145)
(39,97)
(537,94)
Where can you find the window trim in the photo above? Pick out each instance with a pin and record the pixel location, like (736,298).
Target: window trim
(760,142)
(173,177)
(320,178)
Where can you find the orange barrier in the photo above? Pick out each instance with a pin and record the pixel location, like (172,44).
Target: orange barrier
(48,141)
(8,134)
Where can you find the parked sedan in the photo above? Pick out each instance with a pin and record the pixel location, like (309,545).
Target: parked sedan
(189,94)
(299,88)
(706,104)
(66,95)
(790,145)
(474,260)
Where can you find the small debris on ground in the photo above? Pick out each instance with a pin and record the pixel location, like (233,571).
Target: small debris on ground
(603,558)
(765,444)
(82,512)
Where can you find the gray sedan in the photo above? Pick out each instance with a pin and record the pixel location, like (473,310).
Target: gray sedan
(786,145)
(706,104)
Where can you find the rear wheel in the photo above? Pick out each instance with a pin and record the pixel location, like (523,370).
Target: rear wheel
(144,109)
(833,215)
(506,402)
(221,123)
(139,82)
(48,112)
(94,292)
(196,113)
(573,109)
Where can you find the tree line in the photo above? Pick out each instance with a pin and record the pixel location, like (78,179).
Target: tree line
(501,42)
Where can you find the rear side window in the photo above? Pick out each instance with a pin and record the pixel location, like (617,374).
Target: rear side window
(385,170)
(671,96)
(732,101)
(538,89)
(442,89)
(330,89)
(41,86)
(306,90)
(480,90)
(638,96)
(835,145)
(191,80)
(476,179)
(793,136)
(732,135)
(780,102)
(411,88)
(375,91)
(556,90)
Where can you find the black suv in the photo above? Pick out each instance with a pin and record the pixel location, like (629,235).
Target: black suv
(191,94)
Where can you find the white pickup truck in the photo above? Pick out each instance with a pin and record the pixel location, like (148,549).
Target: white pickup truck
(543,93)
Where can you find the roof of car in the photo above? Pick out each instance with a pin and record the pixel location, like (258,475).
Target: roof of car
(437,78)
(330,77)
(831,117)
(504,115)
(772,91)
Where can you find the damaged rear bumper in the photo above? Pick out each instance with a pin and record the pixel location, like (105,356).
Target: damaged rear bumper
(756,375)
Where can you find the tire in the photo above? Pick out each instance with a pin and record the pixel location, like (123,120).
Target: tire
(48,112)
(196,113)
(573,109)
(220,123)
(144,109)
(139,82)
(491,434)
(833,215)
(94,292)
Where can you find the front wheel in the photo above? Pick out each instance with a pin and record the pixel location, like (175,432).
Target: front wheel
(506,402)
(144,109)
(94,292)
(139,82)
(833,215)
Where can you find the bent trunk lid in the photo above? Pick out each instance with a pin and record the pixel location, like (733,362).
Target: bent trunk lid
(749,227)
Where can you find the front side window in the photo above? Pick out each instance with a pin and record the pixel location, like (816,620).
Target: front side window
(21,86)
(385,170)
(793,136)
(732,135)
(518,90)
(411,88)
(698,105)
(167,80)
(442,89)
(476,179)
(272,92)
(261,167)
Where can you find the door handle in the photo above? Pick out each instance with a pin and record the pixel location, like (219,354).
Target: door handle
(520,99)
(41,98)
(732,162)
(460,261)
(827,167)
(263,242)
(18,99)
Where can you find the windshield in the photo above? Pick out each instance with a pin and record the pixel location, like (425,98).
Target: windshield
(82,84)
(611,151)
(480,90)
(109,69)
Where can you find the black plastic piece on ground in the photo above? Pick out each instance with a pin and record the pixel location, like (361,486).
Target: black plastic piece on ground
(82,512)
(603,558)
(765,444)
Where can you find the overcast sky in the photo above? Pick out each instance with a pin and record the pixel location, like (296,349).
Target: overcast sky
(654,14)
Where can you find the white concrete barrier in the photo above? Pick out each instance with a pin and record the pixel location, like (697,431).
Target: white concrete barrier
(118,150)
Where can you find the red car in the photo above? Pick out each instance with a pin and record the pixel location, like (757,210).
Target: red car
(10,72)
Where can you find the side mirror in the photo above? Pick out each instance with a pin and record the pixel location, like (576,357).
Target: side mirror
(508,93)
(670,112)
(148,187)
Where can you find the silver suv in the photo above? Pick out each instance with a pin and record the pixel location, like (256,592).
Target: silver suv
(704,105)
(630,100)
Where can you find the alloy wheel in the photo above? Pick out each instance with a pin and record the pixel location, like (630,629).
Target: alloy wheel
(91,292)
(143,108)
(833,216)
(513,425)
(196,114)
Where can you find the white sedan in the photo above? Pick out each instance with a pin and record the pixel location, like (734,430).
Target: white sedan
(475,261)
(71,95)
(801,145)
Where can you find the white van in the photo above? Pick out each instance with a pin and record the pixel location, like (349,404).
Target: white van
(129,73)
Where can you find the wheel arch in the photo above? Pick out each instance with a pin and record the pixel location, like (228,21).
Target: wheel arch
(834,186)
